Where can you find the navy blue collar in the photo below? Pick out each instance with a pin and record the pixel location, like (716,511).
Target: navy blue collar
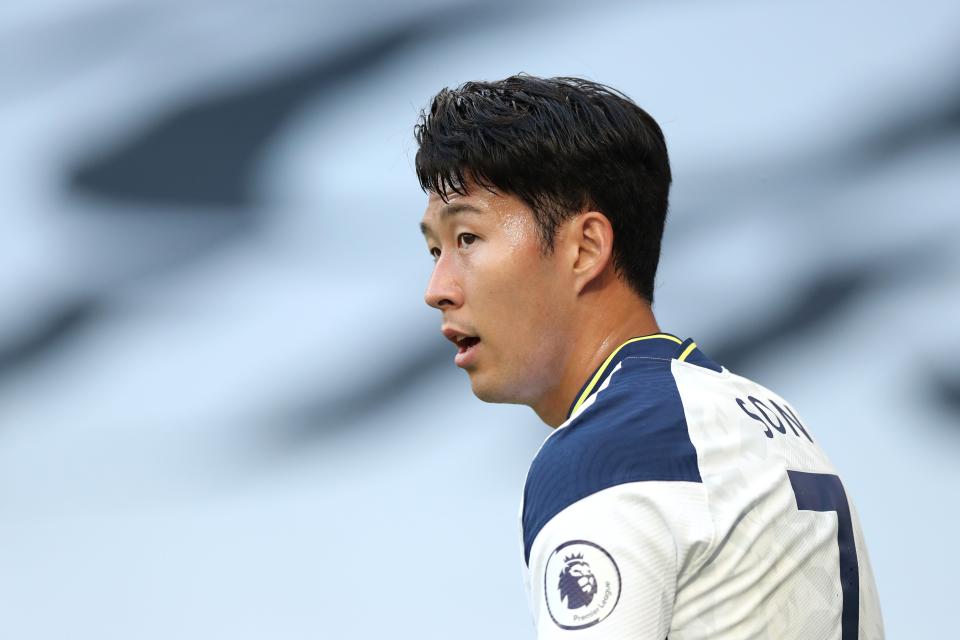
(656,345)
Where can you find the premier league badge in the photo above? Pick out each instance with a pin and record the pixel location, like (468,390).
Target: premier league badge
(581,584)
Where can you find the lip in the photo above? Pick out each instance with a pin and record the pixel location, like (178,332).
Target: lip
(465,355)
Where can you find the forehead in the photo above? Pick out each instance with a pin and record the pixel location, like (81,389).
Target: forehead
(494,206)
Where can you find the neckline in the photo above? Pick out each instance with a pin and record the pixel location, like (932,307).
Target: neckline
(673,341)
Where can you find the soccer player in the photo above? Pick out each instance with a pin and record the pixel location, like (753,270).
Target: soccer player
(674,497)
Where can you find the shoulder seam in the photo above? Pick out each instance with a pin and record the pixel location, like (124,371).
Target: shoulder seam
(647,358)
(719,374)
(708,550)
(711,545)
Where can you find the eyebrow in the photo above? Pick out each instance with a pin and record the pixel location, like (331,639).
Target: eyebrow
(450,210)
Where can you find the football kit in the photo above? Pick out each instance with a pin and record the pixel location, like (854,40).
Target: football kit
(681,500)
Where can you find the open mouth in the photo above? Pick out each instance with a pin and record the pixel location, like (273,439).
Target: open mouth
(467,343)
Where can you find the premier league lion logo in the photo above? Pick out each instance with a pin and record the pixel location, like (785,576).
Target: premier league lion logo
(577,582)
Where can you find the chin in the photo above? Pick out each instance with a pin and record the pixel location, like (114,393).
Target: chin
(486,393)
(496,391)
(487,390)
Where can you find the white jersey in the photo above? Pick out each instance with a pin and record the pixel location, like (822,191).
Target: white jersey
(680,500)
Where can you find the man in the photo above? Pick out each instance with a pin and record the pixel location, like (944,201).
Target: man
(674,498)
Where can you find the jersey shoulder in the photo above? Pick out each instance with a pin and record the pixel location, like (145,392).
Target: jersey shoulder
(632,429)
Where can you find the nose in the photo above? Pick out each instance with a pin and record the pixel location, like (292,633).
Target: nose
(443,290)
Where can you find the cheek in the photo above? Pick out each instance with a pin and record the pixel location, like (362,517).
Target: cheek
(532,352)
(527,305)
(502,280)
(520,300)
(515,297)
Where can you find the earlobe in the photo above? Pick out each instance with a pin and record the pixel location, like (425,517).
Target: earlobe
(592,234)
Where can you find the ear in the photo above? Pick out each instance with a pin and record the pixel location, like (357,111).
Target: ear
(591,235)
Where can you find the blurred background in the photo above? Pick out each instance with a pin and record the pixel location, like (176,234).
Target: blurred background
(225,410)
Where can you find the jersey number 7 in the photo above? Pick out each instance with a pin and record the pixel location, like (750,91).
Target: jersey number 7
(824,492)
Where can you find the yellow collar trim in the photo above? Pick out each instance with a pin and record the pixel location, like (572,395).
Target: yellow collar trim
(596,377)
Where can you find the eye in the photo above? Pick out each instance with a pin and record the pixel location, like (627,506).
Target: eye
(466,239)
(435,252)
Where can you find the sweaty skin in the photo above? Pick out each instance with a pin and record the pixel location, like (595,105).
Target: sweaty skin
(545,319)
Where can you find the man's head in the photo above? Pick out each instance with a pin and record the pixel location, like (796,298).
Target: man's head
(561,145)
(541,191)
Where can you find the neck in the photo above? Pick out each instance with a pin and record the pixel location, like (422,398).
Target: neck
(596,336)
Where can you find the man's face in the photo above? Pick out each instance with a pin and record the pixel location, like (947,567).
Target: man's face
(504,301)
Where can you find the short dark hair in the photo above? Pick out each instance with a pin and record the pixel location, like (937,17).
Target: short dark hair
(561,145)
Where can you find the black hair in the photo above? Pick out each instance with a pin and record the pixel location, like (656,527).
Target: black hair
(561,145)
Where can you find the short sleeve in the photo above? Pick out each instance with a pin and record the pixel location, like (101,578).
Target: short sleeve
(608,566)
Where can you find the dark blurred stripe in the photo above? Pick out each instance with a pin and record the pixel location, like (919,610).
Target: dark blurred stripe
(390,380)
(824,300)
(934,123)
(50,332)
(206,153)
(946,393)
